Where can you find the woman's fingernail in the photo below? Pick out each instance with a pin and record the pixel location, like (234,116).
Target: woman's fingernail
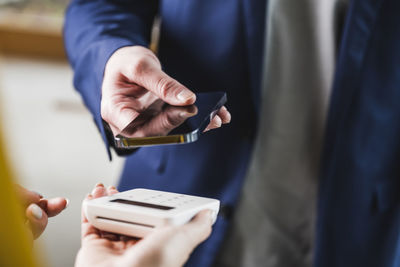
(36,211)
(67,204)
(185,95)
(99,185)
(40,195)
(112,187)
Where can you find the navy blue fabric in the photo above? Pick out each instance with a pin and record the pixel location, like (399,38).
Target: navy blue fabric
(217,45)
(359,199)
(208,45)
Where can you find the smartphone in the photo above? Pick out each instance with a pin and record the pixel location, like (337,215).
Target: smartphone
(163,124)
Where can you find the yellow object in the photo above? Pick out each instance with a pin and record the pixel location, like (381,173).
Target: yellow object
(15,244)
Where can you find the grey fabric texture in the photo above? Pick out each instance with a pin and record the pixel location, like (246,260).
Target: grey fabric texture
(274,222)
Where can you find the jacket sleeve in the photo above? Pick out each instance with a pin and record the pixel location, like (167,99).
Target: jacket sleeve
(93,31)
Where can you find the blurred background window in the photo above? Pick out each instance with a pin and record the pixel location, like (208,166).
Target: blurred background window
(50,138)
(32,27)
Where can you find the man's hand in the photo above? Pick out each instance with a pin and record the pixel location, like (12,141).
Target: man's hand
(166,246)
(39,209)
(161,123)
(133,79)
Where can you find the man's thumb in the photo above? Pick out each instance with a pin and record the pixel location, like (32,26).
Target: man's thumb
(167,88)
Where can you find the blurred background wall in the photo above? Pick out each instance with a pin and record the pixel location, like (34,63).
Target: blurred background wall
(52,142)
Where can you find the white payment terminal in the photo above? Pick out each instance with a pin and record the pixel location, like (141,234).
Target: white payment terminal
(137,212)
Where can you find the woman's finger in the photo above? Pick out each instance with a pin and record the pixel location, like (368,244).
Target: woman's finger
(27,197)
(176,242)
(99,191)
(87,229)
(83,216)
(109,236)
(198,229)
(37,219)
(56,205)
(111,190)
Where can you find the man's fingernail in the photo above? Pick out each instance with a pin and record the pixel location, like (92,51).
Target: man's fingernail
(187,114)
(67,204)
(183,114)
(185,95)
(99,185)
(36,211)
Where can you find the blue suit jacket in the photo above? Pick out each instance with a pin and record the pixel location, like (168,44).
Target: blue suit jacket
(217,45)
(359,199)
(205,44)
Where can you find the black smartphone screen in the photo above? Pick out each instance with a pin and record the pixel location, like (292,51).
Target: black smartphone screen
(160,119)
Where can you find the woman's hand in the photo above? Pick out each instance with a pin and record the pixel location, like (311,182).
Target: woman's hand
(39,209)
(166,246)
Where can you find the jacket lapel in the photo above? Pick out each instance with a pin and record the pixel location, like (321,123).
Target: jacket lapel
(254,12)
(357,33)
